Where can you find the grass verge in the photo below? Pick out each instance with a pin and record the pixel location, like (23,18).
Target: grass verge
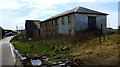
(91,51)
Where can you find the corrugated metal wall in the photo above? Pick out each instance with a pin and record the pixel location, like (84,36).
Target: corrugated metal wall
(64,28)
(81,21)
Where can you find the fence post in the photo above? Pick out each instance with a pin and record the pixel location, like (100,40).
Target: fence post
(101,33)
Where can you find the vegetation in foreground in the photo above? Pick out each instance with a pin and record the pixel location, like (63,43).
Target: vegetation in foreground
(91,52)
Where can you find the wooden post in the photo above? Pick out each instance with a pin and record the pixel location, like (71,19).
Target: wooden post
(101,33)
(101,29)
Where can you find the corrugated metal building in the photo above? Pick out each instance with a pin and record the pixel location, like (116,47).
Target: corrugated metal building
(32,28)
(72,21)
(76,20)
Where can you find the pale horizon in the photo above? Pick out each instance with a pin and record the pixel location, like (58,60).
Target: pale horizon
(15,12)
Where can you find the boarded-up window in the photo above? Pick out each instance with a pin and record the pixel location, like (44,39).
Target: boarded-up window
(45,24)
(48,23)
(56,21)
(69,19)
(63,21)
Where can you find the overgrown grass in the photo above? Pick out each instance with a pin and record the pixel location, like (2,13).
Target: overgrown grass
(96,53)
(91,51)
(52,48)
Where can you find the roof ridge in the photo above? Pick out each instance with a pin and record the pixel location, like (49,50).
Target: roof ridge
(77,9)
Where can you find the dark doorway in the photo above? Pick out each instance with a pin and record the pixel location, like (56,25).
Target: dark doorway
(91,23)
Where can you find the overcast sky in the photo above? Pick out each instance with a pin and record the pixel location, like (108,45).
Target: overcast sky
(14,12)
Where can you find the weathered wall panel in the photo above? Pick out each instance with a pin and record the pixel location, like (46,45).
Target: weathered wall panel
(101,20)
(81,21)
(64,28)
